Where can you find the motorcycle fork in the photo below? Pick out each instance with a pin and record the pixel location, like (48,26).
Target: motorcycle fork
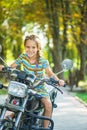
(3,113)
(21,112)
(18,119)
(2,117)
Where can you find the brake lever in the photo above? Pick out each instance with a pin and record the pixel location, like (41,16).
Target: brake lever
(58,89)
(54,83)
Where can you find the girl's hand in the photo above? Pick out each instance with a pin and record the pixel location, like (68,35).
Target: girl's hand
(61,82)
(1,66)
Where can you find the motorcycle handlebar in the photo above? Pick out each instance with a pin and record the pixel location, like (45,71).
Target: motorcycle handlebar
(6,69)
(49,81)
(2,86)
(21,75)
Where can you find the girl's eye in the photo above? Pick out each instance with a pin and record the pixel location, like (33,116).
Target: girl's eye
(33,47)
(27,47)
(30,47)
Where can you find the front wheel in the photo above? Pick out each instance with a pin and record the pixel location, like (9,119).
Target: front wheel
(6,125)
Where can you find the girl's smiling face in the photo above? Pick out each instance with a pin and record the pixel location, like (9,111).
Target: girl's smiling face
(31,48)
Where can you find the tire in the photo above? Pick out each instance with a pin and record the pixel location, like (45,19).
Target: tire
(6,125)
(21,123)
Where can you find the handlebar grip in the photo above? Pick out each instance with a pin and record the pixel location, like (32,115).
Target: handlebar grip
(6,69)
(64,85)
(54,81)
(1,86)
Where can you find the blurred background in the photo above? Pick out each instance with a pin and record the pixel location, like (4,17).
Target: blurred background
(61,26)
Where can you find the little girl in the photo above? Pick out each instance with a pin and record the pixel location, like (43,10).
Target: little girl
(33,63)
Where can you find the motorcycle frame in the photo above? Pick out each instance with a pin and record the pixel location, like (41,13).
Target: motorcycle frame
(20,112)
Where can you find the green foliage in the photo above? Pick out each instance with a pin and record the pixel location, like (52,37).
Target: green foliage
(3,91)
(64,24)
(66,75)
(83,84)
(82,96)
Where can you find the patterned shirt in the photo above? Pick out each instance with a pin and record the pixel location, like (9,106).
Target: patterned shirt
(35,69)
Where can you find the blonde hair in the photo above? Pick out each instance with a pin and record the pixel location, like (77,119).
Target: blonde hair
(36,40)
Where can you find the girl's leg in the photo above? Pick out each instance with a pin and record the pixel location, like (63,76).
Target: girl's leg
(47,110)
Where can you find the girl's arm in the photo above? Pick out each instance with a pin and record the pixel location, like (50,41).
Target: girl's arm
(13,65)
(1,66)
(50,73)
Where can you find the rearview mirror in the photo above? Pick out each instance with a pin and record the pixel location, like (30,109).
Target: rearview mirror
(67,64)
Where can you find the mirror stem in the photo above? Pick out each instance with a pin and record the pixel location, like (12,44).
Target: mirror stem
(60,72)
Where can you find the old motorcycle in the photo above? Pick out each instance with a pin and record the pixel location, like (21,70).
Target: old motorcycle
(24,101)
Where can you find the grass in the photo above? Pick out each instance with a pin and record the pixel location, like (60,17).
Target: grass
(3,91)
(82,96)
(3,80)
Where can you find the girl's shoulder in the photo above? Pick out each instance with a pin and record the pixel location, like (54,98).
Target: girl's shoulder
(41,59)
(44,62)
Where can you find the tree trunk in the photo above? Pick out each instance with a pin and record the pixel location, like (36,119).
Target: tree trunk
(52,9)
(82,48)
